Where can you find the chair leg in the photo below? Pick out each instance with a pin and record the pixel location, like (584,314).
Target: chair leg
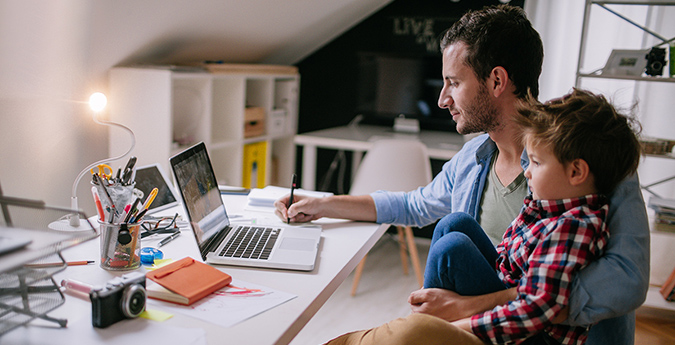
(414,256)
(402,249)
(357,275)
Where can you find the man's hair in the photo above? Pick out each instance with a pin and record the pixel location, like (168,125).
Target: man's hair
(584,125)
(500,36)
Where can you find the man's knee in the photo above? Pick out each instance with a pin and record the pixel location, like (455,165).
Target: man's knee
(411,330)
(454,220)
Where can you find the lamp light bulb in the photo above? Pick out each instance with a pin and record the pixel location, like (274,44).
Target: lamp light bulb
(97,101)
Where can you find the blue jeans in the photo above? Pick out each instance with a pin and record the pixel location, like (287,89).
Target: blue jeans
(462,258)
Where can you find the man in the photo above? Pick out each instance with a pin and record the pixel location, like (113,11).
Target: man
(491,59)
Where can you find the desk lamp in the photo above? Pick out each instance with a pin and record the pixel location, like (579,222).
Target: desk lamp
(97,102)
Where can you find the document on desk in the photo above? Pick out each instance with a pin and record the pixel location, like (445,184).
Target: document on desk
(261,198)
(230,305)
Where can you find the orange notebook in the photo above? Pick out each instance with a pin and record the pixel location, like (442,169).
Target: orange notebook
(186,281)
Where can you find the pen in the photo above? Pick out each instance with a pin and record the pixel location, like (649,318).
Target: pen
(150,198)
(57,264)
(168,239)
(132,210)
(128,170)
(99,206)
(110,200)
(290,199)
(139,217)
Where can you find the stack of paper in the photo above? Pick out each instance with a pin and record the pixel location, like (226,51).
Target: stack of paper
(665,213)
(265,197)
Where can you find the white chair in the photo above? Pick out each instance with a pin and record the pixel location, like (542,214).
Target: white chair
(394,165)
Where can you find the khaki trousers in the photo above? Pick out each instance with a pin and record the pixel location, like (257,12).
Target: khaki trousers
(413,329)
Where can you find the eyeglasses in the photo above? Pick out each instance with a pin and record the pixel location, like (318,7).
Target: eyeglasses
(165,225)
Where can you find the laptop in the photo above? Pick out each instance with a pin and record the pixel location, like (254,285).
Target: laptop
(152,176)
(282,247)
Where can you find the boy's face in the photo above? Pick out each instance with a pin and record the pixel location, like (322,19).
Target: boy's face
(467,98)
(548,178)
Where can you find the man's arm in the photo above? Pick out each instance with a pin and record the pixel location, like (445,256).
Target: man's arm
(617,282)
(305,209)
(450,306)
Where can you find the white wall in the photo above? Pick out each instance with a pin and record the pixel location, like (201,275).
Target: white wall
(56,53)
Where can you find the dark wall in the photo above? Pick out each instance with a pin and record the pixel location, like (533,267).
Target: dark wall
(332,85)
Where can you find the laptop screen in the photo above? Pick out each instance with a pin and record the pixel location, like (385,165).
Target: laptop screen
(198,186)
(152,176)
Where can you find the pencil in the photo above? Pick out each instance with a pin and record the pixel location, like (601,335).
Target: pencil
(57,264)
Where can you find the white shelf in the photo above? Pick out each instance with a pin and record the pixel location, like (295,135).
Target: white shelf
(628,77)
(170,110)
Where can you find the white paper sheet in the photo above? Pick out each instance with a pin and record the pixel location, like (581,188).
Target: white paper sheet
(229,306)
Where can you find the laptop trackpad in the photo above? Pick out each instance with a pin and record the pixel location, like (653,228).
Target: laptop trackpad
(290,243)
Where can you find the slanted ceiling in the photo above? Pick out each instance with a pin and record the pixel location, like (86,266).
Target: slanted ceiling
(251,31)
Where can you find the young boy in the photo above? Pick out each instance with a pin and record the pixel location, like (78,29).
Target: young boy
(579,149)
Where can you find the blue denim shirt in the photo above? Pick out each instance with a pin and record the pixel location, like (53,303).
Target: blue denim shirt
(606,292)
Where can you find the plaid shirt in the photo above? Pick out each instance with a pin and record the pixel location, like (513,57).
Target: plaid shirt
(542,249)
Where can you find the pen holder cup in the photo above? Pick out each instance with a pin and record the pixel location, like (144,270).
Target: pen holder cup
(120,246)
(121,196)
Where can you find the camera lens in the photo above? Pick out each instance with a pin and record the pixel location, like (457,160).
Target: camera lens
(133,301)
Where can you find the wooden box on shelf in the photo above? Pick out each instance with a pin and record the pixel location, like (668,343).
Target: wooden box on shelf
(254,122)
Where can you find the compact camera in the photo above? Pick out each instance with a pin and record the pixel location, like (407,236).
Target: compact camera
(656,59)
(121,298)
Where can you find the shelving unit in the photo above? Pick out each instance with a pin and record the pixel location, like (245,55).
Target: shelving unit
(29,292)
(660,240)
(171,108)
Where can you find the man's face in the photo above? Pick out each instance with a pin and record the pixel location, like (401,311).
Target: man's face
(467,98)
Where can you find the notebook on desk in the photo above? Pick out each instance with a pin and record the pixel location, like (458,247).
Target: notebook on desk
(293,248)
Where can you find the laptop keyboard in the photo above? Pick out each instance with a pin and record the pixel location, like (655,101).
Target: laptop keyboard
(251,243)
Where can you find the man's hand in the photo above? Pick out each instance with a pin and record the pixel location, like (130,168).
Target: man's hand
(304,209)
(451,306)
(446,304)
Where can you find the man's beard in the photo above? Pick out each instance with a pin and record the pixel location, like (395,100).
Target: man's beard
(480,115)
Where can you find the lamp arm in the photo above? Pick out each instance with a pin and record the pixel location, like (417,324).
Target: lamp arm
(74,221)
(102,161)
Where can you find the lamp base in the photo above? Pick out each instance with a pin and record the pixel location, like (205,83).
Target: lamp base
(64,225)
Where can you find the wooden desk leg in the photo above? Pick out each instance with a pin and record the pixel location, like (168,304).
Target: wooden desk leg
(414,256)
(309,167)
(357,275)
(402,249)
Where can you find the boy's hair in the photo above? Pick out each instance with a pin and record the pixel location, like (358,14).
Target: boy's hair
(500,36)
(584,125)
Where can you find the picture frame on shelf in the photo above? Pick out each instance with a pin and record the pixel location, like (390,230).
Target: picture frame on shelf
(625,62)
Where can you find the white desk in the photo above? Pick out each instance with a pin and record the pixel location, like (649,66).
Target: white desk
(440,145)
(343,245)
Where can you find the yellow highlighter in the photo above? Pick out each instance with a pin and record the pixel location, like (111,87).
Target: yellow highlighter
(150,198)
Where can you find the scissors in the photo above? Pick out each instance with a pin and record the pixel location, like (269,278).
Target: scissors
(104,170)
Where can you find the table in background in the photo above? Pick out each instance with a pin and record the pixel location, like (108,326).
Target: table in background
(359,138)
(343,245)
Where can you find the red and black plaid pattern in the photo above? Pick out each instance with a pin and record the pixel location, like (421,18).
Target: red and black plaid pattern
(540,252)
